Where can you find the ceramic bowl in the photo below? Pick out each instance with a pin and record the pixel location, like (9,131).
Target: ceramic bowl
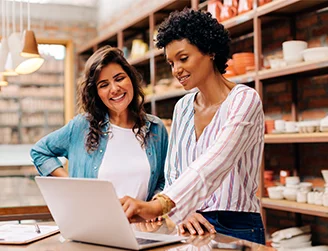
(292,180)
(275,193)
(315,54)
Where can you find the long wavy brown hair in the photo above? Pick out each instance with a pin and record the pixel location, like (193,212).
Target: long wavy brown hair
(90,103)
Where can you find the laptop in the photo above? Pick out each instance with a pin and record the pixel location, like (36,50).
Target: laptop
(88,210)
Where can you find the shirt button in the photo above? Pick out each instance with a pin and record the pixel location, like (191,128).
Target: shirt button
(95,167)
(149,153)
(105,134)
(101,151)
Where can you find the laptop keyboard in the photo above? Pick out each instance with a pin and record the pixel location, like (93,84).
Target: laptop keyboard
(142,241)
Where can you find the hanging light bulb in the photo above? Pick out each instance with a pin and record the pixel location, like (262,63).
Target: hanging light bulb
(30,49)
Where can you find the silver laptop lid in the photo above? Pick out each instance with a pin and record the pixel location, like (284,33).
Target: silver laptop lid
(87,210)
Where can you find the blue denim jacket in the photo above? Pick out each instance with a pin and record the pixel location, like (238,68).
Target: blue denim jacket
(69,142)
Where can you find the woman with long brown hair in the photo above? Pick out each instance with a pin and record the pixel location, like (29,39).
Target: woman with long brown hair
(112,138)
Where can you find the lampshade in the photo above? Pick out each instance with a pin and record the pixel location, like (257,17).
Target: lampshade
(4,50)
(29,65)
(15,48)
(30,46)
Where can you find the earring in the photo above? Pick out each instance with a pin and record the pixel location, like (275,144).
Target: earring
(213,57)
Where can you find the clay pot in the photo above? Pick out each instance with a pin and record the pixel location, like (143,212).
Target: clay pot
(244,6)
(262,2)
(228,9)
(269,126)
(214,7)
(242,60)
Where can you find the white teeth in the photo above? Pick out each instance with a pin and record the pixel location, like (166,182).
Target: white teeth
(117,98)
(183,78)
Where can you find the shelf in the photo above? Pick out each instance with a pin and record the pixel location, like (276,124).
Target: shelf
(42,97)
(59,73)
(168,95)
(241,79)
(283,7)
(203,6)
(9,111)
(303,67)
(43,111)
(318,137)
(296,207)
(42,125)
(240,24)
(146,57)
(10,126)
(40,85)
(7,97)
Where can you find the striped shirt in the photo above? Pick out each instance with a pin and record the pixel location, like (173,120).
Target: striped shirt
(220,170)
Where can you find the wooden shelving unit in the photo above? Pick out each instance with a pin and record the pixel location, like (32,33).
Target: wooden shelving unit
(295,207)
(247,25)
(318,137)
(313,68)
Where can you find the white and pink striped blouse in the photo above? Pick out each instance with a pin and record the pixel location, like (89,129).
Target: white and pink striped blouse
(219,171)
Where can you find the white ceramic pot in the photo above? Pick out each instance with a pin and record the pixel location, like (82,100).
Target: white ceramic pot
(292,51)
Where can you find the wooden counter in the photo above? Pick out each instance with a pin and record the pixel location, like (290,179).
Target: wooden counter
(199,243)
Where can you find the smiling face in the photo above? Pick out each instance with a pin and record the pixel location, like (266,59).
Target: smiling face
(188,64)
(115,89)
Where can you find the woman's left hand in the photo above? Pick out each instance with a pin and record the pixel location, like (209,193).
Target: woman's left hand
(195,223)
(137,210)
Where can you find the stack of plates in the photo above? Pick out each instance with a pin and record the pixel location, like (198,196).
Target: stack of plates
(292,238)
(295,238)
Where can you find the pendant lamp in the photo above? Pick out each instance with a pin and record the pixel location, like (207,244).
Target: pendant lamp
(4,44)
(30,49)
(15,43)
(30,46)
(6,68)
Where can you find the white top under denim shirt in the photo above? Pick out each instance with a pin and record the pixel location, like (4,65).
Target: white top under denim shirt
(124,155)
(69,142)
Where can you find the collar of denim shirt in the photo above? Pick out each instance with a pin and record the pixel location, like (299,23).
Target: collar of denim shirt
(149,120)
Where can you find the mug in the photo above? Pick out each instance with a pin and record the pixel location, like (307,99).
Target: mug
(290,126)
(279,125)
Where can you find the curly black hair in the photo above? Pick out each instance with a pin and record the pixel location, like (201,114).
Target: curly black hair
(201,30)
(90,103)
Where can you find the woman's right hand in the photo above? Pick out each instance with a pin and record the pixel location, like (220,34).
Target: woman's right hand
(137,210)
(194,223)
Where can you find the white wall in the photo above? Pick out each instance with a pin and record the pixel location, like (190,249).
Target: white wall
(115,14)
(53,12)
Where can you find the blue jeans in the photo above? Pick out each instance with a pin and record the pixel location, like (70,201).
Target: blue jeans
(242,225)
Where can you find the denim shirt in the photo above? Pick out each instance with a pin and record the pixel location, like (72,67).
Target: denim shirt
(69,142)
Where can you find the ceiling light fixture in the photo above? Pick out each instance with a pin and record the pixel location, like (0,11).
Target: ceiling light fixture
(30,49)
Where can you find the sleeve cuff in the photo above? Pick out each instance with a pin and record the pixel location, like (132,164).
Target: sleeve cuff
(49,166)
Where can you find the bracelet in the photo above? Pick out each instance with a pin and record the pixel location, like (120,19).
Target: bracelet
(166,203)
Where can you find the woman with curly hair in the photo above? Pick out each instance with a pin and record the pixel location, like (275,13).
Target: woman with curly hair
(217,136)
(112,138)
